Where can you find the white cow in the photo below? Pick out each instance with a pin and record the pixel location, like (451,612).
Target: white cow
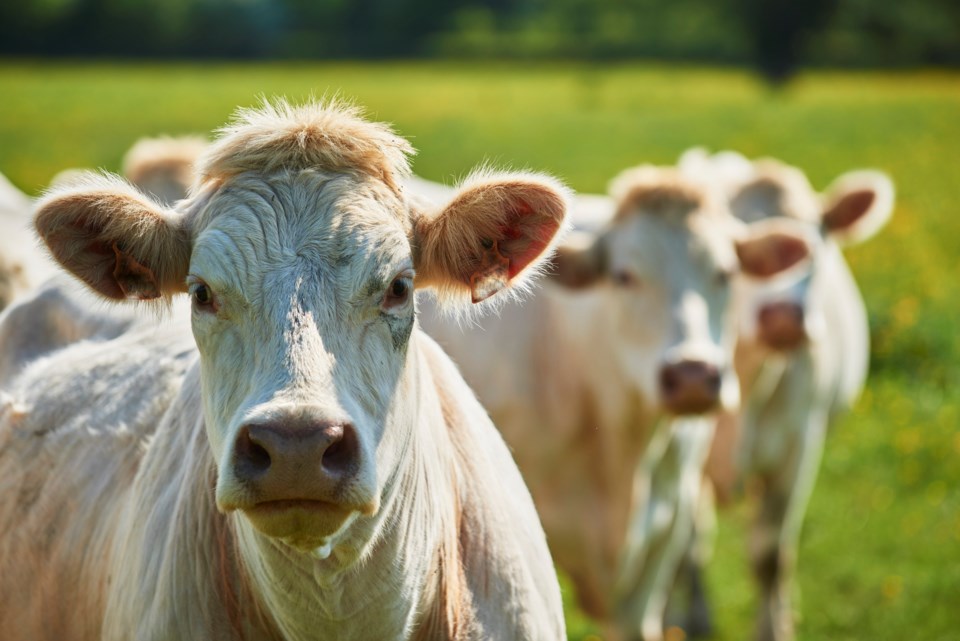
(578,379)
(23,265)
(308,464)
(802,358)
(163,167)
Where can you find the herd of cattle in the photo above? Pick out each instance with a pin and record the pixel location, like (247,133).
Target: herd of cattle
(302,448)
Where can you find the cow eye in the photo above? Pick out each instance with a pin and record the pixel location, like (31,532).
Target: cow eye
(722,277)
(623,278)
(203,297)
(398,293)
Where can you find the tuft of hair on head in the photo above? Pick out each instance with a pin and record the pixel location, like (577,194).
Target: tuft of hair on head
(525,204)
(780,189)
(725,170)
(329,134)
(661,191)
(164,158)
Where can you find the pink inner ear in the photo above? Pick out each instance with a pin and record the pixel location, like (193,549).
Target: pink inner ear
(849,209)
(526,236)
(134,279)
(93,259)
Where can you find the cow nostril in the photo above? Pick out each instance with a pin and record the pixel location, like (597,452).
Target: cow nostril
(713,380)
(341,455)
(669,380)
(252,458)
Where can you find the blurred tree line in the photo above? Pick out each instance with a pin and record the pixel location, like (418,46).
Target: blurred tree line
(774,35)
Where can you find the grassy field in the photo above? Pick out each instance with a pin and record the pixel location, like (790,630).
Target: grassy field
(880,555)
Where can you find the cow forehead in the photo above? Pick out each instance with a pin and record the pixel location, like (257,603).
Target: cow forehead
(774,194)
(676,246)
(338,224)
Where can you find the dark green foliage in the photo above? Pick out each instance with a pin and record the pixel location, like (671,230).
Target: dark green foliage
(774,36)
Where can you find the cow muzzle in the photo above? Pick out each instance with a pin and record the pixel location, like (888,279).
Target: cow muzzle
(690,387)
(298,478)
(780,326)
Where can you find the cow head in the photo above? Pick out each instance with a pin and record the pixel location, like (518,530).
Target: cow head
(667,261)
(783,314)
(163,167)
(300,253)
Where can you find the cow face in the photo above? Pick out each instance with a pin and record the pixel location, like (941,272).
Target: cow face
(785,314)
(300,255)
(667,261)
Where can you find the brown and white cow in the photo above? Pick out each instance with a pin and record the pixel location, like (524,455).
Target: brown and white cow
(582,379)
(305,463)
(802,356)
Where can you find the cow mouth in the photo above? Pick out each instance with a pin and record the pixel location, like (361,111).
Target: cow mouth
(784,341)
(692,405)
(282,505)
(303,523)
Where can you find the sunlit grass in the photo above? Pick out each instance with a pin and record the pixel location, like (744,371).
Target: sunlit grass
(880,556)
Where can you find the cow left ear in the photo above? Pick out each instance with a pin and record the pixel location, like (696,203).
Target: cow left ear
(857,205)
(115,239)
(774,246)
(492,236)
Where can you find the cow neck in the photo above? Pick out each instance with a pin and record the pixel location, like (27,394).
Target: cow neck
(388,567)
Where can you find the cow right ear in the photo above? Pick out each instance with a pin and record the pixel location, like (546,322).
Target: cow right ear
(114,238)
(857,205)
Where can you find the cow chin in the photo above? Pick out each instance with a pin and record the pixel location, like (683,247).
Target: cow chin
(303,524)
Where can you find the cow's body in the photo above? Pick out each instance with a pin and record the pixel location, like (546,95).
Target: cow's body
(802,359)
(574,379)
(55,314)
(137,490)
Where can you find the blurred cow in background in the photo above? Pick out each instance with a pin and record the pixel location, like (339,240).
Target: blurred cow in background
(164,166)
(23,265)
(802,355)
(56,313)
(586,378)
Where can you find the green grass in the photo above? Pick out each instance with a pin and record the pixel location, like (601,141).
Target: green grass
(880,555)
